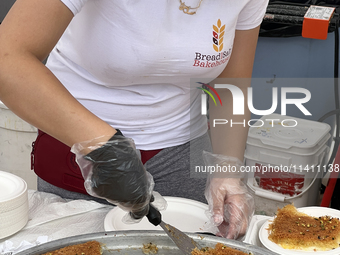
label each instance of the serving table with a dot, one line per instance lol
(51, 218)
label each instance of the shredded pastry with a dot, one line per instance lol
(94, 248)
(89, 248)
(292, 229)
(220, 249)
(149, 248)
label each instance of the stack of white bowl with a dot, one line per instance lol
(13, 204)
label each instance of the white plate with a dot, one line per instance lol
(312, 211)
(184, 214)
(252, 235)
(11, 186)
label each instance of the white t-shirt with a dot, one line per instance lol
(130, 61)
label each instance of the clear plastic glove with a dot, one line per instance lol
(231, 206)
(112, 170)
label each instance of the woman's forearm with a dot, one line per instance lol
(31, 91)
(230, 138)
(229, 134)
(27, 35)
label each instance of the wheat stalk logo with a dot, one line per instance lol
(218, 33)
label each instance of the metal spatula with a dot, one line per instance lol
(183, 242)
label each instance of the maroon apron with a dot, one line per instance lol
(54, 162)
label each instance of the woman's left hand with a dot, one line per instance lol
(230, 205)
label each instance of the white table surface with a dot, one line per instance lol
(52, 217)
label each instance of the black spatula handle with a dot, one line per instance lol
(154, 216)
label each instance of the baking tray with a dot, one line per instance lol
(131, 242)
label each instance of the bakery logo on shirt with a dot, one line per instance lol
(218, 33)
(222, 56)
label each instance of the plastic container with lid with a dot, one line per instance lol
(285, 156)
(288, 134)
(16, 137)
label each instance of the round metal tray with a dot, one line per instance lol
(131, 243)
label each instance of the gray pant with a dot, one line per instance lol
(170, 169)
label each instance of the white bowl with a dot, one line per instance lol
(13, 204)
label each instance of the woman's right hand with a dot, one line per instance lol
(114, 171)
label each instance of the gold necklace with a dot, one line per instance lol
(186, 9)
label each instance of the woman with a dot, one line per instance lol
(121, 70)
